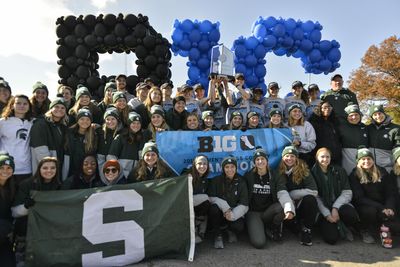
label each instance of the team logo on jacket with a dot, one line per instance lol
(22, 134)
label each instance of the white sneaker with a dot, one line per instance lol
(219, 242)
(367, 237)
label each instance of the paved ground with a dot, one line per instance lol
(289, 253)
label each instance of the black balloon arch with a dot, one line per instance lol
(82, 38)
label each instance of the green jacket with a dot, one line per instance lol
(339, 100)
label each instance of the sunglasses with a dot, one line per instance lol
(112, 170)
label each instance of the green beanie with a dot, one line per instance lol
(6, 159)
(207, 113)
(352, 108)
(133, 116)
(236, 113)
(40, 85)
(362, 152)
(229, 160)
(376, 108)
(290, 150)
(259, 152)
(112, 112)
(82, 91)
(118, 95)
(275, 111)
(5, 84)
(84, 112)
(157, 109)
(56, 101)
(149, 147)
(110, 85)
(293, 106)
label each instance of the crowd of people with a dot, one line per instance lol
(338, 173)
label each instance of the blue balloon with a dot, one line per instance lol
(203, 63)
(306, 45)
(334, 55)
(248, 72)
(183, 53)
(240, 51)
(307, 26)
(290, 24)
(204, 81)
(177, 36)
(280, 51)
(260, 71)
(260, 32)
(251, 61)
(270, 22)
(214, 35)
(279, 30)
(185, 44)
(325, 46)
(269, 41)
(325, 65)
(195, 36)
(315, 36)
(251, 80)
(287, 42)
(193, 73)
(298, 34)
(204, 45)
(298, 54)
(260, 51)
(187, 25)
(206, 26)
(194, 54)
(251, 42)
(240, 68)
(315, 56)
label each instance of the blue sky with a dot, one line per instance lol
(28, 49)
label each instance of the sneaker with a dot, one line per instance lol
(276, 233)
(306, 237)
(386, 237)
(367, 237)
(218, 242)
(232, 238)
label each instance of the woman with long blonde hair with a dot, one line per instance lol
(374, 198)
(297, 180)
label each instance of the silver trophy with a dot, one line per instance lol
(222, 62)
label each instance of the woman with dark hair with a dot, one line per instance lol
(352, 133)
(176, 117)
(5, 94)
(150, 166)
(15, 126)
(192, 122)
(253, 120)
(46, 178)
(334, 197)
(295, 177)
(276, 119)
(85, 176)
(374, 197)
(81, 140)
(111, 128)
(229, 197)
(7, 194)
(119, 102)
(111, 174)
(83, 99)
(107, 101)
(384, 135)
(303, 134)
(327, 135)
(207, 118)
(265, 211)
(40, 100)
(67, 94)
(199, 172)
(127, 145)
(48, 134)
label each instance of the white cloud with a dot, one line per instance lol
(101, 4)
(29, 27)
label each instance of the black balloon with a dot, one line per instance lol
(130, 20)
(141, 51)
(80, 30)
(72, 81)
(130, 41)
(100, 29)
(140, 31)
(70, 21)
(162, 70)
(142, 71)
(150, 61)
(120, 30)
(71, 41)
(64, 72)
(110, 20)
(63, 52)
(82, 52)
(71, 62)
(62, 31)
(82, 72)
(110, 40)
(89, 20)
(90, 40)
(149, 42)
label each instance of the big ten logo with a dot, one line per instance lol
(227, 143)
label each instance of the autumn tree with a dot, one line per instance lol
(378, 77)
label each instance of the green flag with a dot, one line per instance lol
(113, 225)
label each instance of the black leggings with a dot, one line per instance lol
(330, 231)
(373, 216)
(202, 209)
(307, 211)
(217, 220)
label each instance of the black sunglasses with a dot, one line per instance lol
(108, 170)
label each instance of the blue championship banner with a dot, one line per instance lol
(178, 148)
